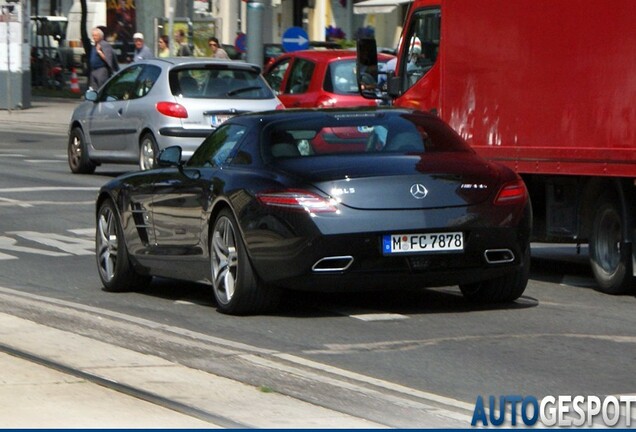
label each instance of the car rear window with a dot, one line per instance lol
(405, 133)
(218, 83)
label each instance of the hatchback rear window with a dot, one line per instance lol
(215, 83)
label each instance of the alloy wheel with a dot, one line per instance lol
(224, 258)
(147, 154)
(107, 244)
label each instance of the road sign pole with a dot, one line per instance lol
(255, 12)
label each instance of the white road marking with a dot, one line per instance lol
(72, 245)
(68, 245)
(83, 231)
(47, 188)
(578, 281)
(37, 161)
(364, 314)
(9, 244)
(11, 155)
(14, 203)
(379, 317)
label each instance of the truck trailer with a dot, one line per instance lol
(547, 87)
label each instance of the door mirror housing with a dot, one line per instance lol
(169, 157)
(367, 68)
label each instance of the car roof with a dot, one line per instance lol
(196, 61)
(327, 55)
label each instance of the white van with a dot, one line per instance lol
(95, 17)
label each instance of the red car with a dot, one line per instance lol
(318, 78)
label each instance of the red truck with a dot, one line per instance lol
(547, 87)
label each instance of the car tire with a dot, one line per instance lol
(113, 264)
(148, 152)
(610, 254)
(78, 159)
(503, 289)
(236, 286)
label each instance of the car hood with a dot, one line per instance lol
(400, 182)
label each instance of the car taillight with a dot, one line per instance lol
(512, 193)
(298, 200)
(280, 106)
(172, 109)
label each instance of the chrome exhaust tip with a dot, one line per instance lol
(333, 264)
(499, 256)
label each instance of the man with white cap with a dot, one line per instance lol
(141, 50)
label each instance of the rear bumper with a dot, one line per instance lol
(179, 132)
(358, 262)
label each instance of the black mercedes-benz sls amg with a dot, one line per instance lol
(343, 199)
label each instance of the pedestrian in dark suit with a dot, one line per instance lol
(101, 60)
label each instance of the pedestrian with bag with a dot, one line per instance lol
(101, 60)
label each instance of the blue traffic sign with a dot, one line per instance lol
(240, 43)
(294, 39)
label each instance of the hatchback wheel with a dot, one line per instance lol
(78, 159)
(236, 286)
(148, 152)
(113, 263)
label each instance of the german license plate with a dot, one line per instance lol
(218, 119)
(393, 244)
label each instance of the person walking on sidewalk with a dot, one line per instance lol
(217, 51)
(164, 48)
(183, 50)
(141, 50)
(102, 60)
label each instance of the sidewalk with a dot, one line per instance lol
(33, 395)
(44, 115)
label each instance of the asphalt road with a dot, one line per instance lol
(398, 358)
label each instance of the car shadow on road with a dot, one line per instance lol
(300, 304)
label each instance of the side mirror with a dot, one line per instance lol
(367, 67)
(90, 95)
(169, 157)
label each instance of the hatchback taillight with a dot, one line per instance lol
(172, 109)
(512, 193)
(295, 199)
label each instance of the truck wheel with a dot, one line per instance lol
(610, 255)
(503, 289)
(148, 152)
(236, 286)
(78, 159)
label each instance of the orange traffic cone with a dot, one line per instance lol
(74, 82)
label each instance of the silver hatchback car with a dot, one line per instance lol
(158, 103)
